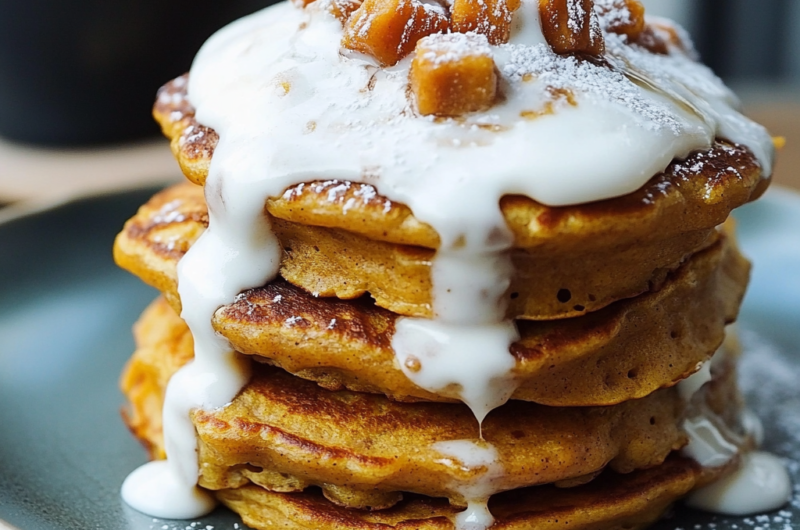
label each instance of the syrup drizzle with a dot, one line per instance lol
(480, 457)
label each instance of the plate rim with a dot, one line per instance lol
(29, 207)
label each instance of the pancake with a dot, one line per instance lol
(612, 502)
(286, 434)
(315, 258)
(362, 450)
(164, 344)
(344, 239)
(625, 351)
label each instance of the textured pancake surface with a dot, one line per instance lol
(154, 240)
(624, 351)
(344, 239)
(611, 502)
(163, 345)
(315, 259)
(371, 449)
(286, 434)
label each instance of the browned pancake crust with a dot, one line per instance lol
(155, 239)
(164, 344)
(287, 434)
(366, 445)
(625, 351)
(344, 239)
(622, 352)
(612, 502)
(708, 184)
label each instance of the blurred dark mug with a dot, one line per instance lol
(76, 72)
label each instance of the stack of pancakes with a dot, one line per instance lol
(616, 302)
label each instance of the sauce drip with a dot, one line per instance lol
(474, 456)
(761, 484)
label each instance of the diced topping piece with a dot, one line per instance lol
(453, 74)
(659, 36)
(571, 26)
(487, 17)
(342, 9)
(388, 30)
(625, 17)
(652, 41)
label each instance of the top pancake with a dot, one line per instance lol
(344, 239)
(703, 189)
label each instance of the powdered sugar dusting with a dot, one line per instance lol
(576, 15)
(364, 24)
(694, 86)
(453, 47)
(588, 78)
(770, 379)
(427, 16)
(612, 14)
(594, 26)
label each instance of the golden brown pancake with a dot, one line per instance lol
(363, 449)
(625, 351)
(611, 502)
(344, 239)
(155, 239)
(164, 344)
(286, 434)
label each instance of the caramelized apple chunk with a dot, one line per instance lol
(571, 26)
(652, 41)
(388, 30)
(453, 74)
(487, 17)
(342, 9)
(659, 36)
(625, 17)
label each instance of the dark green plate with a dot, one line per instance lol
(65, 318)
